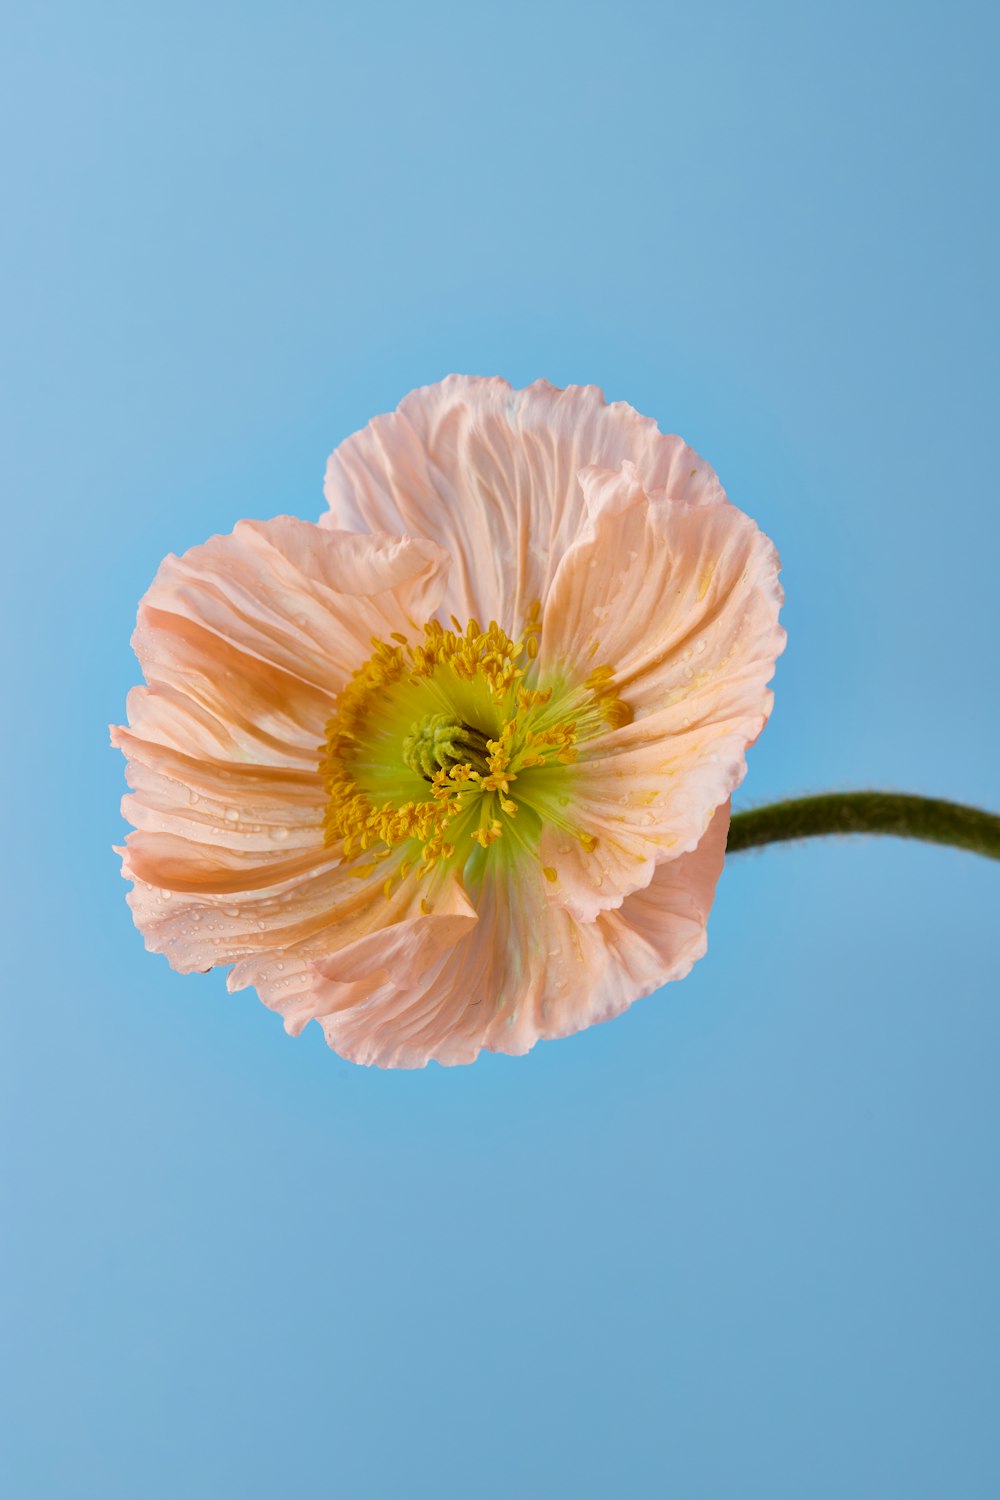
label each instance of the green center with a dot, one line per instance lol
(439, 742)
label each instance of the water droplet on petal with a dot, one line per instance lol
(279, 833)
(232, 814)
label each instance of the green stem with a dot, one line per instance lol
(868, 812)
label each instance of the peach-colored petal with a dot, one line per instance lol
(284, 608)
(682, 602)
(522, 972)
(491, 474)
(358, 946)
(244, 806)
(245, 642)
(335, 919)
(663, 927)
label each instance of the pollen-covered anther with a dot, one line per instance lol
(488, 835)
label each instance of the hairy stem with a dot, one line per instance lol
(868, 812)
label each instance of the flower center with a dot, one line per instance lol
(450, 744)
(439, 742)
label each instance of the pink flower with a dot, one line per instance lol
(451, 769)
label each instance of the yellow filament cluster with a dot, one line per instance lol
(524, 728)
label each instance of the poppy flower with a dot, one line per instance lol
(451, 768)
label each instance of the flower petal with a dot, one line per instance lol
(333, 920)
(522, 972)
(682, 602)
(351, 956)
(284, 607)
(245, 642)
(491, 474)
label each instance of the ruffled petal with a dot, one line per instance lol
(264, 625)
(662, 929)
(490, 473)
(523, 971)
(199, 930)
(351, 955)
(682, 603)
(237, 804)
(338, 921)
(245, 642)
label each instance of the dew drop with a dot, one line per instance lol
(232, 814)
(279, 833)
(193, 798)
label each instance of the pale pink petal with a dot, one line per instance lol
(338, 919)
(350, 955)
(662, 929)
(285, 608)
(491, 474)
(245, 642)
(682, 603)
(198, 930)
(521, 973)
(238, 804)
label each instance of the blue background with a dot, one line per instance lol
(743, 1241)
